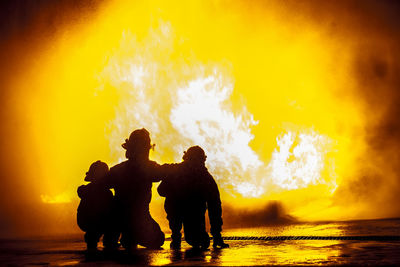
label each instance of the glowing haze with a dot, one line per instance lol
(268, 93)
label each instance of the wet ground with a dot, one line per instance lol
(338, 243)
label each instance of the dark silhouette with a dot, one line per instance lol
(94, 209)
(132, 181)
(189, 189)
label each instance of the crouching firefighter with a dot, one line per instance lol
(94, 210)
(189, 189)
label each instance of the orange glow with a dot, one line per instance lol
(262, 95)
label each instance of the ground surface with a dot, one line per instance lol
(368, 243)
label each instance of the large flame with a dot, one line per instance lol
(265, 101)
(197, 110)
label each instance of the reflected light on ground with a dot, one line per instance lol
(281, 253)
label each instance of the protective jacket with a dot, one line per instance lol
(188, 192)
(94, 208)
(132, 182)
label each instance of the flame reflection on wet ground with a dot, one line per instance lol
(70, 250)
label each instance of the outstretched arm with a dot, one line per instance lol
(161, 172)
(168, 172)
(214, 207)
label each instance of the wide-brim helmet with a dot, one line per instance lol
(138, 138)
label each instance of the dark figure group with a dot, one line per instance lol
(125, 218)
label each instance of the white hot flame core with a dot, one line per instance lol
(188, 104)
(200, 116)
(296, 166)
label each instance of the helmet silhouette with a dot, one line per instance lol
(138, 138)
(97, 170)
(194, 153)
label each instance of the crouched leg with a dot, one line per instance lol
(195, 233)
(175, 224)
(149, 233)
(92, 238)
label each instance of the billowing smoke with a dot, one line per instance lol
(269, 214)
(373, 28)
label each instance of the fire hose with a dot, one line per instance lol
(283, 238)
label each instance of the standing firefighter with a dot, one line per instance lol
(189, 190)
(132, 181)
(94, 209)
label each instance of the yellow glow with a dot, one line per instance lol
(276, 117)
(62, 198)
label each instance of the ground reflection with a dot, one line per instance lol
(68, 251)
(254, 252)
(250, 252)
(304, 229)
(186, 255)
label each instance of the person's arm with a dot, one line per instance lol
(214, 206)
(161, 172)
(168, 173)
(106, 181)
(156, 171)
(110, 180)
(215, 213)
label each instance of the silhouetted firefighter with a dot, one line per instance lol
(189, 190)
(132, 181)
(94, 209)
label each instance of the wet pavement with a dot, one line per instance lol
(344, 243)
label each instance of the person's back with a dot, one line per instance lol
(95, 203)
(94, 209)
(132, 181)
(189, 190)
